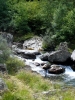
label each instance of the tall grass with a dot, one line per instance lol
(34, 81)
(30, 86)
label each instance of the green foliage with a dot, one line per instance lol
(10, 96)
(26, 16)
(33, 81)
(3, 15)
(49, 41)
(36, 16)
(22, 38)
(62, 26)
(4, 50)
(14, 64)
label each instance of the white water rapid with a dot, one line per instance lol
(68, 76)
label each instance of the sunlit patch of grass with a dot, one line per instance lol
(17, 90)
(11, 85)
(69, 94)
(34, 81)
(10, 96)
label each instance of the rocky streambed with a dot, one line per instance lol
(56, 65)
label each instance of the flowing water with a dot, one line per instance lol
(68, 77)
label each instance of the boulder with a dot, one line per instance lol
(25, 54)
(60, 57)
(44, 57)
(34, 43)
(43, 63)
(46, 66)
(28, 55)
(73, 67)
(56, 69)
(37, 64)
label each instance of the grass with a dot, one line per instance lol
(34, 81)
(30, 86)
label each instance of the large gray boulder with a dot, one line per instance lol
(34, 43)
(46, 66)
(59, 56)
(27, 53)
(44, 57)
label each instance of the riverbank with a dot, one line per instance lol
(30, 86)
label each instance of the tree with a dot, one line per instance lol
(3, 15)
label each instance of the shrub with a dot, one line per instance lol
(49, 41)
(62, 26)
(27, 16)
(14, 64)
(4, 50)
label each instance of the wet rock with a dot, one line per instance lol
(56, 69)
(46, 66)
(28, 55)
(37, 53)
(73, 67)
(44, 57)
(37, 64)
(60, 57)
(34, 43)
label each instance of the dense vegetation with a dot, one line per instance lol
(54, 18)
(4, 50)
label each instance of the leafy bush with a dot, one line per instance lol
(14, 64)
(62, 26)
(49, 41)
(26, 16)
(4, 50)
(4, 15)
